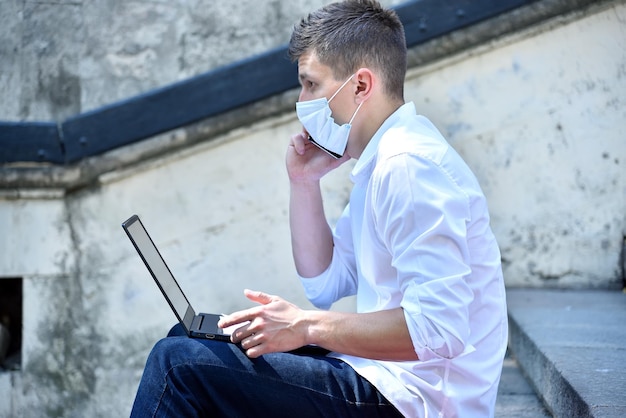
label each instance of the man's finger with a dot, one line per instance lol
(239, 317)
(257, 296)
(299, 142)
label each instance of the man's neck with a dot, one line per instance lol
(373, 120)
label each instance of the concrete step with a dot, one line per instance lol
(516, 397)
(572, 347)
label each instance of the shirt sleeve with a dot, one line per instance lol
(421, 216)
(340, 279)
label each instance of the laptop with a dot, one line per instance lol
(201, 325)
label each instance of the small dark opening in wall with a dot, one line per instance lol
(10, 324)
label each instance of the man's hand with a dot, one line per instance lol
(307, 163)
(274, 326)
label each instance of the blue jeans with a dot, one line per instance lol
(188, 377)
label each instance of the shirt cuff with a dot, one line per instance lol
(315, 289)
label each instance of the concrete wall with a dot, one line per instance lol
(218, 213)
(539, 116)
(61, 58)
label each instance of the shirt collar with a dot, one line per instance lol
(365, 164)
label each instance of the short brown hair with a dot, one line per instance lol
(352, 34)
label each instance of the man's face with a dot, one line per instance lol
(317, 81)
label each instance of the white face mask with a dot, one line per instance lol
(315, 116)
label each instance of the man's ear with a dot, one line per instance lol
(365, 82)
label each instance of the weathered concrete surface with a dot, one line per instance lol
(218, 213)
(46, 249)
(61, 58)
(516, 397)
(537, 115)
(540, 119)
(572, 345)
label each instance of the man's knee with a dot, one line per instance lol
(169, 352)
(177, 331)
(184, 351)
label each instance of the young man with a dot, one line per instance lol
(414, 244)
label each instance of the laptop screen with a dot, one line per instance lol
(159, 270)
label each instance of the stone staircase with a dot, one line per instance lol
(516, 397)
(567, 355)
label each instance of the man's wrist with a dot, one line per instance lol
(312, 327)
(305, 186)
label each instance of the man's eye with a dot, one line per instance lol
(308, 85)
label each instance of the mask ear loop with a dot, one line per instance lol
(355, 112)
(337, 92)
(339, 89)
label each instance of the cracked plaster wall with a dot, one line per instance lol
(538, 116)
(541, 121)
(63, 57)
(217, 212)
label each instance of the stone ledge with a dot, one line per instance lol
(572, 347)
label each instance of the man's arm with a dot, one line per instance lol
(379, 335)
(277, 325)
(311, 237)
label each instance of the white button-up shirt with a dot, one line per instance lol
(416, 235)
